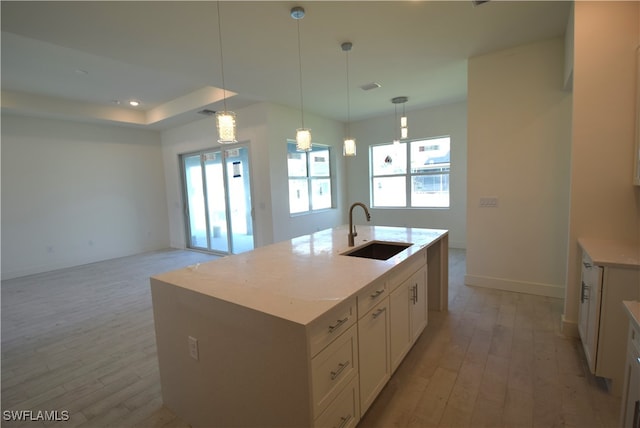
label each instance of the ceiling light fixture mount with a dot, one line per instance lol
(303, 135)
(404, 130)
(349, 146)
(225, 120)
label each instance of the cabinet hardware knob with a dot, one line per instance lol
(340, 369)
(377, 313)
(344, 420)
(332, 328)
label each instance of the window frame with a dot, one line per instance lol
(310, 178)
(409, 175)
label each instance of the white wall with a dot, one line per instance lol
(429, 122)
(282, 123)
(604, 203)
(519, 123)
(78, 193)
(266, 127)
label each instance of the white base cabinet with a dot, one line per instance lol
(408, 304)
(375, 367)
(602, 323)
(630, 409)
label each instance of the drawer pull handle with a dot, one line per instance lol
(587, 265)
(341, 368)
(377, 313)
(377, 293)
(584, 293)
(332, 328)
(344, 420)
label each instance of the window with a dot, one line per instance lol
(412, 174)
(309, 179)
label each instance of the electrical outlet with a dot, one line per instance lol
(193, 348)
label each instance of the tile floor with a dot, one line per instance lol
(82, 340)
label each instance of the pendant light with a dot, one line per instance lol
(225, 120)
(349, 146)
(396, 138)
(404, 131)
(303, 135)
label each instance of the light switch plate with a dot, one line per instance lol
(488, 202)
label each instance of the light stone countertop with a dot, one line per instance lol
(611, 253)
(302, 278)
(633, 310)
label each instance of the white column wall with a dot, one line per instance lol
(519, 123)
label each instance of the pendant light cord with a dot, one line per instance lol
(300, 69)
(396, 121)
(348, 101)
(224, 91)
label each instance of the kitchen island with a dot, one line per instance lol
(295, 333)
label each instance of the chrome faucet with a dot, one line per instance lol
(352, 227)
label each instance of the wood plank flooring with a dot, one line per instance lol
(82, 340)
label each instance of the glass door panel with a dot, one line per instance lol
(216, 202)
(239, 197)
(197, 221)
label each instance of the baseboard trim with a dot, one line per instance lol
(569, 328)
(535, 288)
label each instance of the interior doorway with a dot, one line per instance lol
(217, 194)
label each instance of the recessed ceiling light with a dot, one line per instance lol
(134, 103)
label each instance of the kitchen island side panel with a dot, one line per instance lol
(438, 274)
(252, 368)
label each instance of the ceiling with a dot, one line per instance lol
(74, 60)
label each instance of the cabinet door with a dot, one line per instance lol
(631, 399)
(399, 323)
(418, 304)
(373, 337)
(594, 295)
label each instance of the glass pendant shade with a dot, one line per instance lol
(303, 139)
(404, 131)
(349, 147)
(226, 124)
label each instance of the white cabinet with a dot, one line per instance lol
(630, 408)
(408, 306)
(373, 334)
(590, 296)
(602, 323)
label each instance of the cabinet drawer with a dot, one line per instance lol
(400, 274)
(343, 412)
(329, 326)
(371, 296)
(333, 368)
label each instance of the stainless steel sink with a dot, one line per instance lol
(378, 250)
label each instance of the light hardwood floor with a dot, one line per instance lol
(82, 340)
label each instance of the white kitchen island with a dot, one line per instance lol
(294, 333)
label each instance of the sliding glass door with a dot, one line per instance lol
(218, 208)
